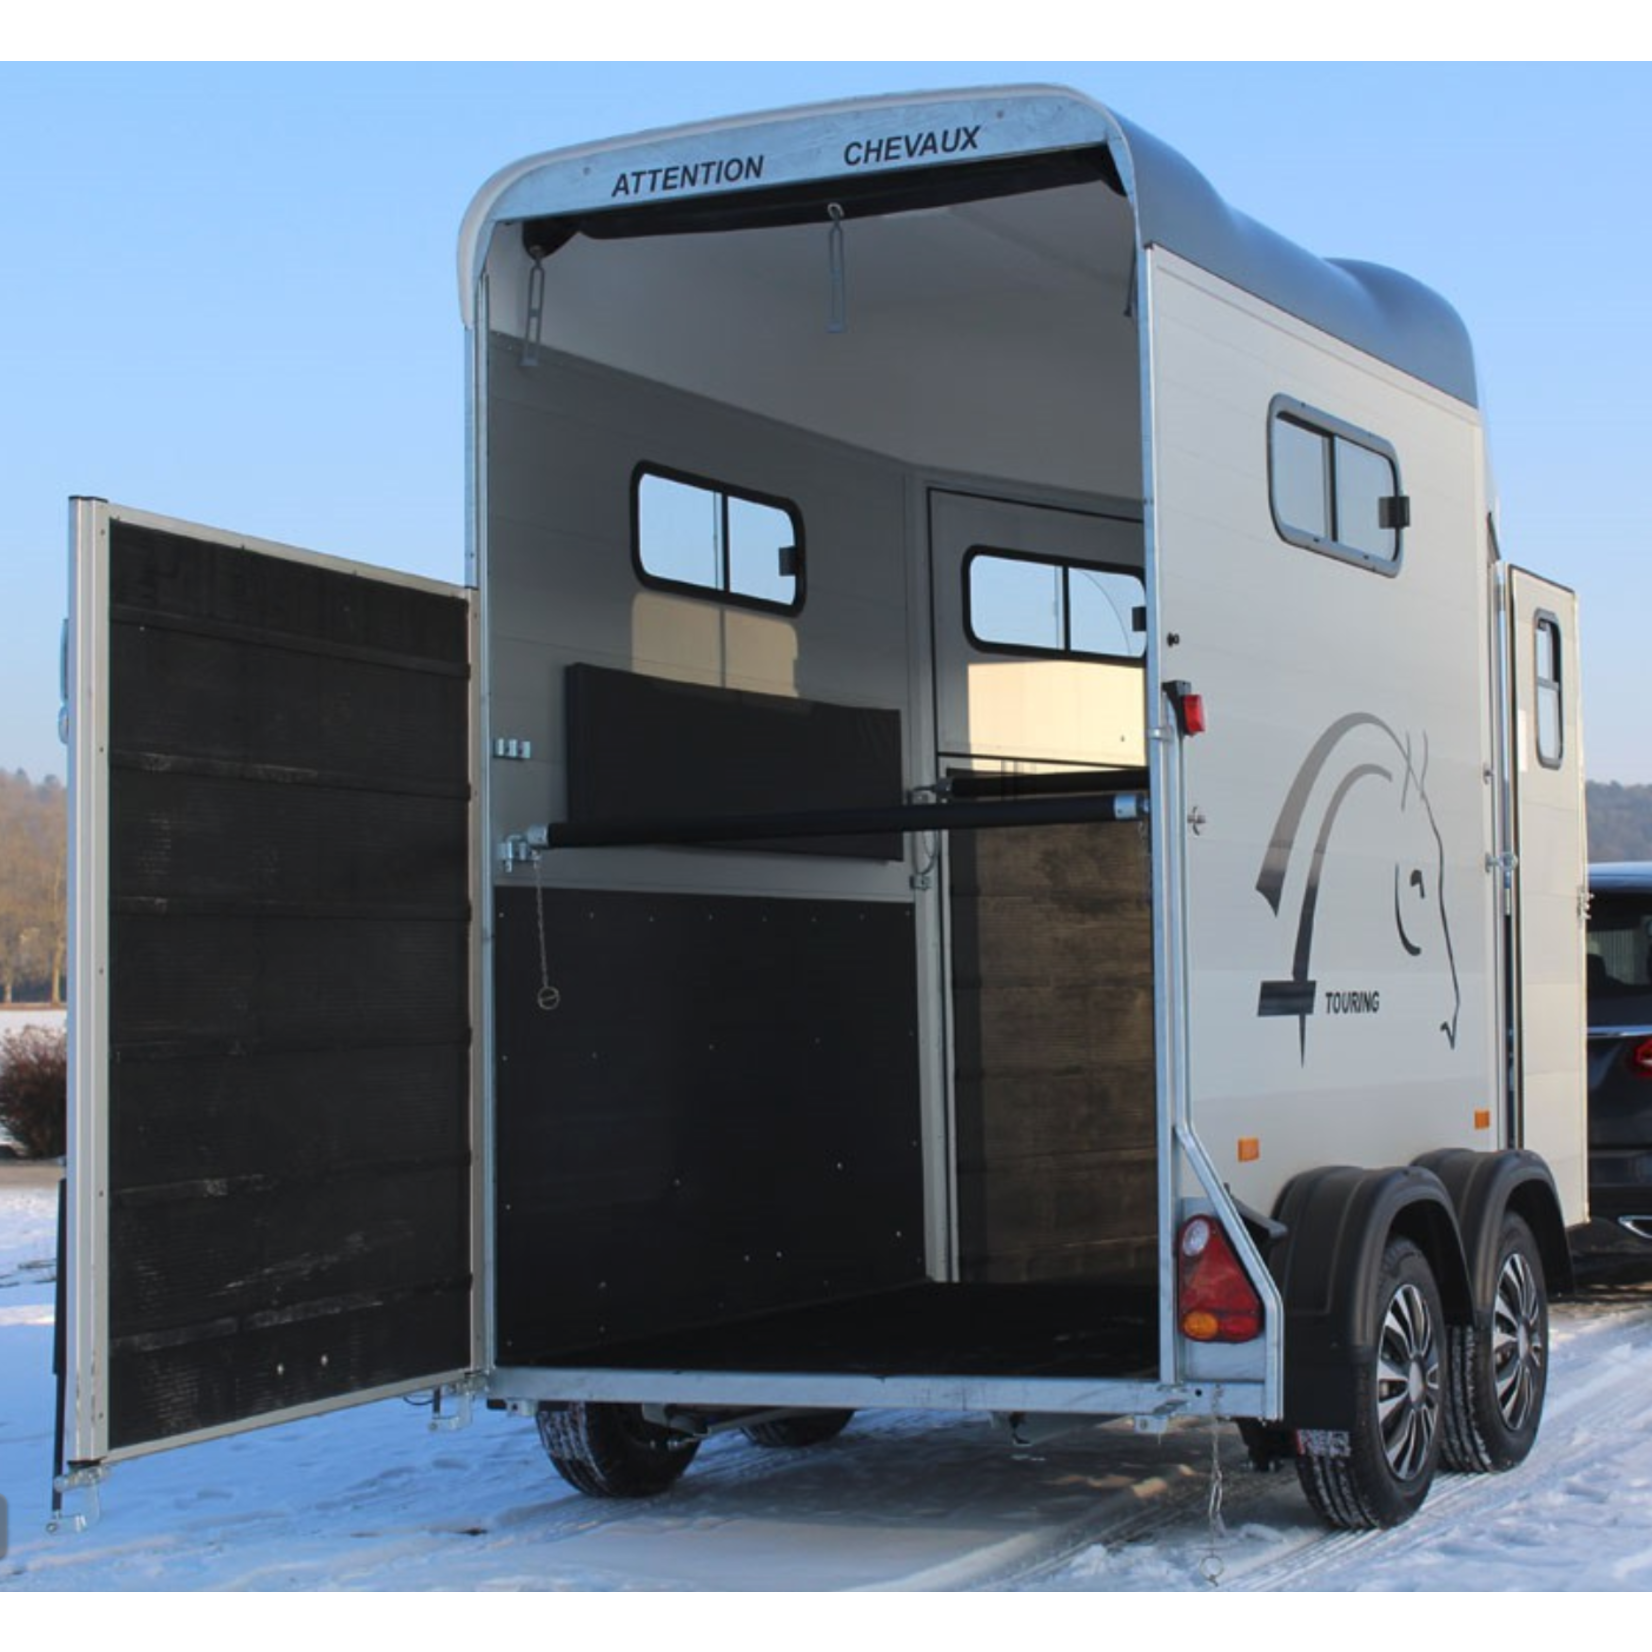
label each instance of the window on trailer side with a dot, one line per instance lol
(1015, 603)
(1551, 740)
(1334, 488)
(709, 538)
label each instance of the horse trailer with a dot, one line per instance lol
(988, 830)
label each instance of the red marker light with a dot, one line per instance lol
(1215, 1301)
(1188, 706)
(1640, 1058)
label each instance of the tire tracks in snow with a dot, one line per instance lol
(1588, 1395)
(1596, 1395)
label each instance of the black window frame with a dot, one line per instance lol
(1545, 620)
(720, 594)
(1289, 410)
(1063, 564)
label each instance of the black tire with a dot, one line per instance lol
(1399, 1399)
(803, 1428)
(1499, 1373)
(607, 1450)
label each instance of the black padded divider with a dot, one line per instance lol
(641, 748)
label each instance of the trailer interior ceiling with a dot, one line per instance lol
(834, 1102)
(1028, 294)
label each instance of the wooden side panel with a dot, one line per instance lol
(1053, 1048)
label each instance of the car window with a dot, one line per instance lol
(1619, 959)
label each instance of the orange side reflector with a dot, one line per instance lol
(1482, 1118)
(1250, 1147)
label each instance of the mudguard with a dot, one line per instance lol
(1482, 1187)
(1339, 1220)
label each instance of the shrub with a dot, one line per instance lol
(34, 1090)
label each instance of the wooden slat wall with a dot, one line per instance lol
(1053, 1048)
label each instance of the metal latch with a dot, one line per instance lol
(464, 1395)
(523, 848)
(83, 1482)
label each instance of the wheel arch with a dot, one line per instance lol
(1338, 1221)
(1482, 1188)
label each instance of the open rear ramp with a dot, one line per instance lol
(271, 1141)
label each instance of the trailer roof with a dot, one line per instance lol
(1378, 310)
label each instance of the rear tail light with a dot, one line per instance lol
(1215, 1300)
(1640, 1058)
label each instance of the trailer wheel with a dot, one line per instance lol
(1393, 1443)
(1499, 1372)
(607, 1450)
(805, 1428)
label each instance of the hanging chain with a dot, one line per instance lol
(925, 857)
(1212, 1566)
(548, 998)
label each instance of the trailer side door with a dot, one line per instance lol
(1549, 881)
(270, 1162)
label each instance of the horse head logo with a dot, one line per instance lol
(1360, 756)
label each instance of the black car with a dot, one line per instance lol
(1619, 962)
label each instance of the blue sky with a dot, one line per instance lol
(228, 293)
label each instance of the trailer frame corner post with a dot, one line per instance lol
(1500, 861)
(86, 1263)
(1165, 781)
(484, 1056)
(928, 865)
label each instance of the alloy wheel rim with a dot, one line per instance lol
(1408, 1383)
(1518, 1351)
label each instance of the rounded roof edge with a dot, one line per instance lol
(1378, 310)
(1388, 314)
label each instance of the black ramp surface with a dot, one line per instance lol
(1042, 1330)
(718, 1119)
(288, 1088)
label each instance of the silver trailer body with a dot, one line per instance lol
(996, 729)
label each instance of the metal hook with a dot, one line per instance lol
(533, 323)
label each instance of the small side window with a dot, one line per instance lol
(1551, 739)
(1020, 604)
(708, 538)
(1334, 488)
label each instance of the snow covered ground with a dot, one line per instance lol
(371, 1499)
